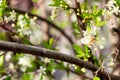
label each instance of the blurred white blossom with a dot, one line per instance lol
(54, 13)
(25, 24)
(37, 36)
(112, 7)
(42, 70)
(89, 39)
(0, 2)
(89, 36)
(46, 60)
(53, 71)
(25, 62)
(8, 56)
(12, 17)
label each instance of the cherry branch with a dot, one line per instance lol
(37, 51)
(47, 21)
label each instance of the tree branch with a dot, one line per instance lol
(9, 46)
(47, 21)
(78, 13)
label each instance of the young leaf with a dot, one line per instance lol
(55, 3)
(78, 50)
(96, 78)
(98, 13)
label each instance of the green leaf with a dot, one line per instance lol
(118, 2)
(95, 9)
(1, 60)
(78, 50)
(55, 3)
(49, 44)
(26, 41)
(96, 78)
(76, 28)
(3, 36)
(26, 76)
(51, 41)
(99, 22)
(98, 13)
(1, 12)
(8, 78)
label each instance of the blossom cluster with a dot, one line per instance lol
(25, 62)
(12, 16)
(89, 36)
(113, 7)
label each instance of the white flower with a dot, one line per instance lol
(7, 19)
(54, 13)
(13, 15)
(112, 7)
(0, 2)
(20, 17)
(111, 64)
(53, 71)
(46, 60)
(36, 37)
(24, 61)
(88, 40)
(89, 36)
(115, 10)
(83, 70)
(8, 56)
(111, 3)
(42, 70)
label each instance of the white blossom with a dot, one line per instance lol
(0, 2)
(42, 70)
(112, 7)
(24, 61)
(12, 17)
(89, 36)
(53, 71)
(46, 60)
(87, 39)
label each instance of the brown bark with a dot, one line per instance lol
(37, 51)
(114, 35)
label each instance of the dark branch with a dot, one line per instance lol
(77, 10)
(9, 46)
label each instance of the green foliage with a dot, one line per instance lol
(96, 78)
(82, 53)
(24, 26)
(48, 44)
(99, 22)
(3, 5)
(27, 76)
(118, 2)
(85, 54)
(55, 3)
(35, 1)
(3, 36)
(26, 41)
(79, 51)
(60, 3)
(78, 69)
(76, 28)
(1, 60)
(8, 78)
(95, 14)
